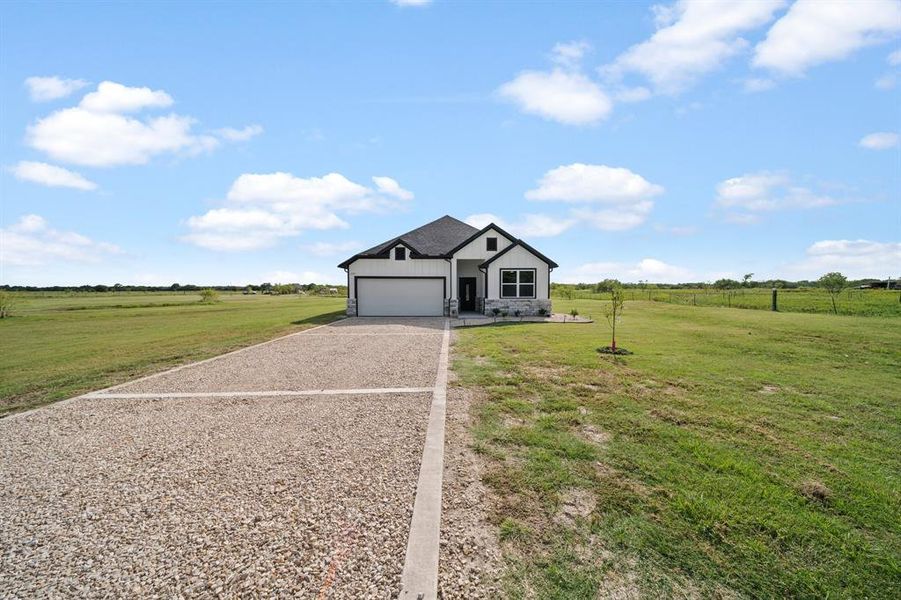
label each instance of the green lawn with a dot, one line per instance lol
(736, 452)
(60, 345)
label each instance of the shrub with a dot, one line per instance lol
(504, 313)
(209, 296)
(574, 312)
(7, 304)
(542, 312)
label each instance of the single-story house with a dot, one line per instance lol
(447, 267)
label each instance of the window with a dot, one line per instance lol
(491, 244)
(400, 253)
(517, 283)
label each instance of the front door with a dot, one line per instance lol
(467, 293)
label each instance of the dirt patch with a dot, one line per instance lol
(574, 504)
(595, 435)
(470, 558)
(815, 491)
(769, 390)
(553, 373)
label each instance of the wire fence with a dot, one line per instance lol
(811, 300)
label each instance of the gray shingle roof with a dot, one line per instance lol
(432, 239)
(440, 238)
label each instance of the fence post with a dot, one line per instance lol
(775, 307)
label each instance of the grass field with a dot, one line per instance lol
(736, 453)
(60, 345)
(869, 303)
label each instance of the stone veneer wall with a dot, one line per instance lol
(527, 308)
(351, 307)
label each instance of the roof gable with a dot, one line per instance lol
(479, 232)
(525, 246)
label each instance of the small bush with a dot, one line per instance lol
(542, 312)
(7, 304)
(574, 312)
(209, 296)
(504, 313)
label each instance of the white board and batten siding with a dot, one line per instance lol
(476, 249)
(519, 258)
(389, 287)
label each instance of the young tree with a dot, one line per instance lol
(209, 296)
(833, 283)
(746, 280)
(614, 312)
(7, 304)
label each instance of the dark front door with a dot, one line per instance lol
(467, 293)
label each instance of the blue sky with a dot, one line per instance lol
(237, 143)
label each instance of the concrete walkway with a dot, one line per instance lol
(309, 465)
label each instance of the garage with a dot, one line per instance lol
(400, 296)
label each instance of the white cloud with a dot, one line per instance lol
(51, 176)
(693, 38)
(333, 248)
(814, 32)
(757, 84)
(626, 196)
(569, 54)
(32, 242)
(743, 199)
(98, 132)
(881, 140)
(894, 58)
(44, 89)
(411, 2)
(763, 192)
(568, 97)
(240, 135)
(856, 259)
(624, 216)
(83, 137)
(677, 230)
(886, 82)
(632, 94)
(580, 183)
(386, 185)
(528, 226)
(261, 208)
(647, 269)
(112, 97)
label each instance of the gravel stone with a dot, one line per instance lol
(266, 497)
(470, 558)
(348, 354)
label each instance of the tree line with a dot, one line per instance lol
(265, 288)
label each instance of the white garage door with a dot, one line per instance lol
(400, 297)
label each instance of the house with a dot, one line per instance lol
(446, 267)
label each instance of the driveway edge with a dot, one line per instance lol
(419, 580)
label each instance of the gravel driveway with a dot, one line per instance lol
(307, 496)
